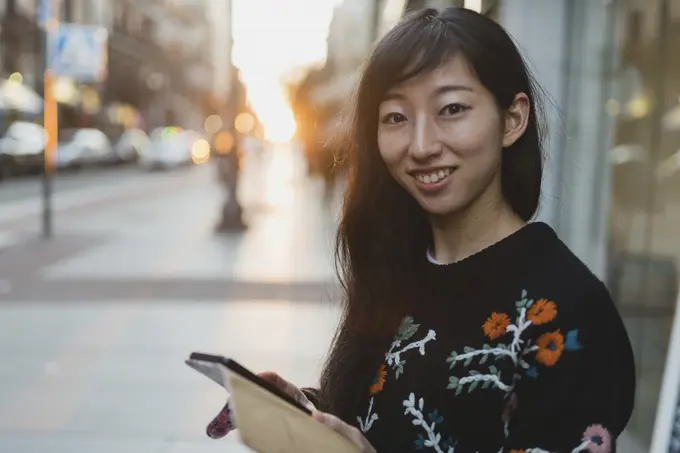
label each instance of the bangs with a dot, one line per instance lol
(420, 44)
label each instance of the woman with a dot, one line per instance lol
(465, 327)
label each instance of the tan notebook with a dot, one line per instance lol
(268, 424)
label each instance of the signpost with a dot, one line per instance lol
(75, 51)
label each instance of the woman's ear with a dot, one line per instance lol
(516, 119)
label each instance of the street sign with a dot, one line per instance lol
(48, 10)
(78, 51)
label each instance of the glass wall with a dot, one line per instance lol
(643, 216)
(612, 192)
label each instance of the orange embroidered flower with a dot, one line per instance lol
(550, 347)
(543, 311)
(496, 325)
(379, 381)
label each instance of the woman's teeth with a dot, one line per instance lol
(434, 177)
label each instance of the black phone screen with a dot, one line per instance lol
(207, 363)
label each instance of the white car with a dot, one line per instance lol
(170, 147)
(22, 149)
(86, 147)
(132, 144)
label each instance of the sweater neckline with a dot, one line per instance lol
(497, 251)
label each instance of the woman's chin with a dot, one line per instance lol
(438, 208)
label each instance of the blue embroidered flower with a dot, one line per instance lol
(435, 418)
(420, 442)
(532, 372)
(571, 343)
(448, 443)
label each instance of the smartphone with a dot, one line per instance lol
(217, 368)
(268, 420)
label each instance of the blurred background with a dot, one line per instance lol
(188, 201)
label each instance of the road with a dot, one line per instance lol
(96, 322)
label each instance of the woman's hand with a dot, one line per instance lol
(287, 388)
(223, 423)
(342, 428)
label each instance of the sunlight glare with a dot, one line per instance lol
(290, 35)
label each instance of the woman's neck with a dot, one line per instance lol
(463, 234)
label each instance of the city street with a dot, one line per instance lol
(95, 323)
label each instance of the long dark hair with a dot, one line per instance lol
(384, 233)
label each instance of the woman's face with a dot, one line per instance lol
(441, 135)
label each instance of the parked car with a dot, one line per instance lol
(22, 149)
(132, 144)
(170, 147)
(84, 147)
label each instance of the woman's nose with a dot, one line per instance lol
(425, 142)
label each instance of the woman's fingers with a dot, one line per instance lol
(222, 424)
(286, 387)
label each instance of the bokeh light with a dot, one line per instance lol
(213, 124)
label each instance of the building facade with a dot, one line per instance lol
(161, 56)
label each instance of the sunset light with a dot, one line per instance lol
(272, 40)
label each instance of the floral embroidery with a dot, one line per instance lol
(550, 347)
(596, 439)
(366, 424)
(431, 439)
(542, 312)
(379, 381)
(406, 331)
(495, 326)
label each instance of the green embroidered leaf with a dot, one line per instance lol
(530, 302)
(400, 368)
(407, 329)
(453, 382)
(473, 386)
(474, 372)
(520, 303)
(468, 349)
(459, 390)
(486, 347)
(524, 294)
(483, 360)
(451, 360)
(486, 384)
(468, 361)
(493, 370)
(502, 346)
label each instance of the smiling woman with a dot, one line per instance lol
(467, 327)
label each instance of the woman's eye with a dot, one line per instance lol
(393, 118)
(453, 109)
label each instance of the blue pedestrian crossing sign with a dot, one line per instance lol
(78, 51)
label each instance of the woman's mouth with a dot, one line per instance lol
(433, 179)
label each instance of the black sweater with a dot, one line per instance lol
(516, 348)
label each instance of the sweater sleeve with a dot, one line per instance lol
(577, 389)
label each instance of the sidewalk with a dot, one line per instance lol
(97, 322)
